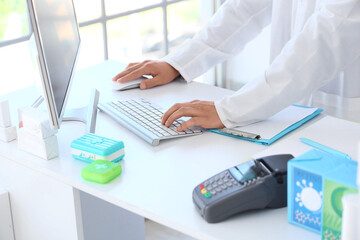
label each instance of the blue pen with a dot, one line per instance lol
(325, 148)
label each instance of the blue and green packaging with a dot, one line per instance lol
(337, 183)
(91, 147)
(101, 171)
(316, 183)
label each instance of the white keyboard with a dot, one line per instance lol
(144, 119)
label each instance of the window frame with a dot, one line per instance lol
(103, 19)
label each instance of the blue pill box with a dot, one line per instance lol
(91, 147)
(308, 187)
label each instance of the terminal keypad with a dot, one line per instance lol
(217, 184)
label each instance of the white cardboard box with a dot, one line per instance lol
(46, 148)
(7, 134)
(37, 123)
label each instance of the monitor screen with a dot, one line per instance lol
(57, 38)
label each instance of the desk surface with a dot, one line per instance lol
(157, 182)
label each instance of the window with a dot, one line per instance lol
(110, 29)
(13, 19)
(134, 30)
(14, 53)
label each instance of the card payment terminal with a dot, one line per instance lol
(255, 184)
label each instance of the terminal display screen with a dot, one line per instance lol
(251, 170)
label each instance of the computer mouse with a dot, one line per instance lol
(127, 85)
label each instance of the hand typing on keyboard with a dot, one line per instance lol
(143, 118)
(202, 113)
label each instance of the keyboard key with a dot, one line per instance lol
(196, 130)
(148, 116)
(188, 131)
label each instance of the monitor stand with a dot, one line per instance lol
(87, 114)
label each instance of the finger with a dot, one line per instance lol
(131, 67)
(171, 110)
(152, 82)
(127, 71)
(132, 64)
(134, 74)
(190, 123)
(181, 112)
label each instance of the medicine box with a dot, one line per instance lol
(101, 171)
(8, 134)
(337, 183)
(91, 147)
(308, 186)
(36, 122)
(46, 148)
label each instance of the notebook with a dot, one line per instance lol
(268, 131)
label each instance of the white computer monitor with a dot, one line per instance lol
(57, 38)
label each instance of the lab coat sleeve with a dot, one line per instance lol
(328, 42)
(234, 24)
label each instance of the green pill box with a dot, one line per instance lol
(101, 171)
(91, 147)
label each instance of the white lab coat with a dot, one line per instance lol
(315, 56)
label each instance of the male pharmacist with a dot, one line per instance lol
(315, 60)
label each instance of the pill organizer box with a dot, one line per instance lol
(101, 171)
(91, 147)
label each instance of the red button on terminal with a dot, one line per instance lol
(201, 186)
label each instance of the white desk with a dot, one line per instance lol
(156, 182)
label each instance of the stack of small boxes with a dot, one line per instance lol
(35, 134)
(7, 131)
(103, 154)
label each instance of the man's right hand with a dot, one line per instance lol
(161, 71)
